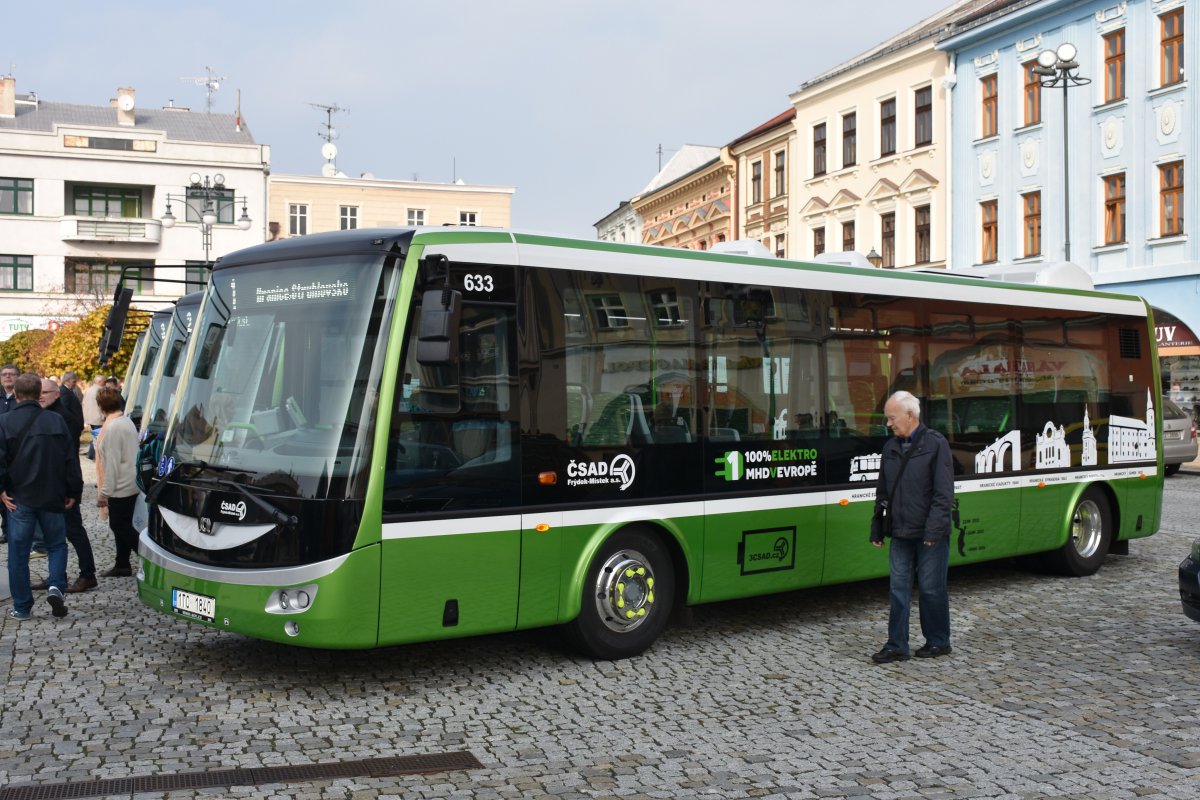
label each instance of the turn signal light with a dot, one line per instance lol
(541, 527)
(548, 478)
(843, 502)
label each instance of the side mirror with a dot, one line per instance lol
(437, 336)
(114, 325)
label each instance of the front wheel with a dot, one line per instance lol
(1171, 469)
(627, 597)
(1090, 535)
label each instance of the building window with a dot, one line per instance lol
(196, 275)
(1114, 208)
(468, 219)
(297, 219)
(988, 215)
(847, 237)
(416, 216)
(1033, 93)
(756, 182)
(887, 223)
(1171, 198)
(924, 116)
(887, 127)
(222, 202)
(780, 246)
(1172, 47)
(849, 140)
(99, 278)
(924, 240)
(780, 173)
(1033, 223)
(819, 149)
(987, 92)
(1114, 66)
(609, 311)
(818, 241)
(16, 273)
(16, 196)
(349, 218)
(103, 201)
(665, 305)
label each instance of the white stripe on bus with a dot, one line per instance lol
(648, 513)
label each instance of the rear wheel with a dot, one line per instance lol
(1171, 469)
(627, 597)
(1088, 539)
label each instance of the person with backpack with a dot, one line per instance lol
(39, 480)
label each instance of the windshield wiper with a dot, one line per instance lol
(200, 466)
(268, 508)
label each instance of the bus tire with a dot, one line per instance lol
(1088, 538)
(627, 597)
(1171, 469)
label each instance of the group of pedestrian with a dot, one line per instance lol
(41, 483)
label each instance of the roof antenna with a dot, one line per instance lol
(211, 84)
(329, 150)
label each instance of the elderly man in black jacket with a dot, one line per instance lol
(62, 401)
(39, 480)
(916, 484)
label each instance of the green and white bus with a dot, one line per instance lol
(399, 435)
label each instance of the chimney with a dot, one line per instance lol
(125, 107)
(8, 97)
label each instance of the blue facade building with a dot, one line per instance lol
(1131, 147)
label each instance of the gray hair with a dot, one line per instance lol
(907, 402)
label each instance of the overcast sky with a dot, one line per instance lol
(567, 100)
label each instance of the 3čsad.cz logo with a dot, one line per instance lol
(620, 470)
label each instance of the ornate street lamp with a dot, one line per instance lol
(206, 198)
(1059, 68)
(875, 259)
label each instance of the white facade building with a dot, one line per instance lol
(83, 190)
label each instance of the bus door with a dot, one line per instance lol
(765, 524)
(452, 528)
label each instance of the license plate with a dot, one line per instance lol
(196, 606)
(1173, 435)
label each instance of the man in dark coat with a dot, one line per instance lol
(916, 484)
(39, 480)
(62, 402)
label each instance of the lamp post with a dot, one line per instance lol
(875, 259)
(207, 197)
(1059, 68)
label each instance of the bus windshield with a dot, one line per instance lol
(278, 373)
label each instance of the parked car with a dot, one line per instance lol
(1189, 582)
(1179, 437)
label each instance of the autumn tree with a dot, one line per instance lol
(76, 344)
(27, 349)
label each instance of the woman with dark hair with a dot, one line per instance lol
(116, 470)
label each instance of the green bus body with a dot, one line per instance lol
(703, 424)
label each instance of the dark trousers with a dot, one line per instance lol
(78, 537)
(120, 520)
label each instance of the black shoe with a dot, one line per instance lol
(929, 651)
(40, 586)
(58, 605)
(887, 655)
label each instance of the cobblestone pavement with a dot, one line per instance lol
(1057, 688)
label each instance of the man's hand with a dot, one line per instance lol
(69, 504)
(876, 544)
(101, 501)
(8, 501)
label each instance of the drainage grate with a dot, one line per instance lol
(252, 776)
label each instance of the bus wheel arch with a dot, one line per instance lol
(628, 592)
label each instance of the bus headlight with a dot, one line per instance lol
(292, 600)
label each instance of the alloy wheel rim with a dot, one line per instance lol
(1087, 529)
(625, 591)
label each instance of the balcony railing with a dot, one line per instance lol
(111, 229)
